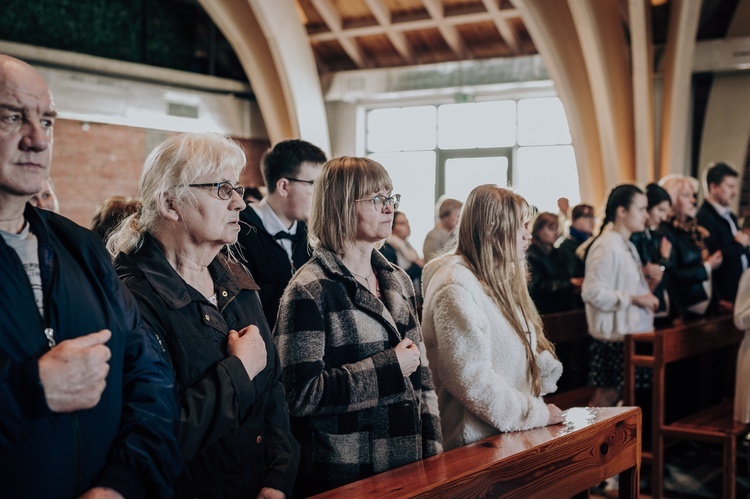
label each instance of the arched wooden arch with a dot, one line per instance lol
(274, 51)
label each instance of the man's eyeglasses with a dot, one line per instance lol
(292, 179)
(223, 189)
(380, 202)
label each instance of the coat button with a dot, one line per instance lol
(259, 439)
(224, 294)
(207, 317)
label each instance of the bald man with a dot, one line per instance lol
(87, 402)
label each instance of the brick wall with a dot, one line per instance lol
(92, 162)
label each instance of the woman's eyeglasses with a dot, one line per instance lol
(223, 189)
(380, 202)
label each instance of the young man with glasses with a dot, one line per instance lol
(274, 245)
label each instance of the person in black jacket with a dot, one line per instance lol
(691, 265)
(655, 251)
(581, 229)
(273, 240)
(234, 423)
(551, 287)
(715, 215)
(87, 407)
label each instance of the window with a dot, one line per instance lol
(451, 148)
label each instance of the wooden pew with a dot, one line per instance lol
(569, 332)
(710, 424)
(556, 461)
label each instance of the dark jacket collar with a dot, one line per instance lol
(165, 280)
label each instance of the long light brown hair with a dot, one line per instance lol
(487, 235)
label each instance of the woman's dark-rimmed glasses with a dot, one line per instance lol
(380, 202)
(223, 189)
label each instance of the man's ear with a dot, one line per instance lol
(282, 187)
(167, 207)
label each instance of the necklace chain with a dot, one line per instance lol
(362, 276)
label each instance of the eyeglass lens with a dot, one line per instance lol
(225, 190)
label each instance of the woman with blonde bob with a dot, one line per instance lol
(490, 358)
(358, 386)
(691, 266)
(205, 311)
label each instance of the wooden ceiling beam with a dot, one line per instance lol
(448, 31)
(413, 25)
(502, 25)
(333, 20)
(381, 13)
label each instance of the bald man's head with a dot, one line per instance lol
(27, 116)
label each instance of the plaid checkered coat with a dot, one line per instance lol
(353, 412)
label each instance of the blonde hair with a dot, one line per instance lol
(487, 235)
(342, 181)
(171, 166)
(674, 183)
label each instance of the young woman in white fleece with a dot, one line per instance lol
(490, 360)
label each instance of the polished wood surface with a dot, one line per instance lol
(556, 461)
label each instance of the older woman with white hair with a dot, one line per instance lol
(205, 311)
(690, 266)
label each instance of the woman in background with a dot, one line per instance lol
(617, 297)
(655, 250)
(551, 287)
(690, 268)
(358, 385)
(398, 250)
(490, 358)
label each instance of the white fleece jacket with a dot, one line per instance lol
(478, 363)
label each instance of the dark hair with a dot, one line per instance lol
(580, 210)
(715, 173)
(619, 195)
(285, 159)
(543, 220)
(656, 195)
(111, 212)
(252, 192)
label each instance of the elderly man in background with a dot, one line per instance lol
(88, 408)
(438, 238)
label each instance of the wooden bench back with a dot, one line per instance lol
(555, 461)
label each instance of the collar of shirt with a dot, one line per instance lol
(723, 211)
(270, 220)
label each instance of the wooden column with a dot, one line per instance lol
(273, 49)
(678, 62)
(602, 38)
(641, 51)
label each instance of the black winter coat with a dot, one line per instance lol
(550, 285)
(234, 432)
(686, 271)
(268, 262)
(127, 441)
(648, 244)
